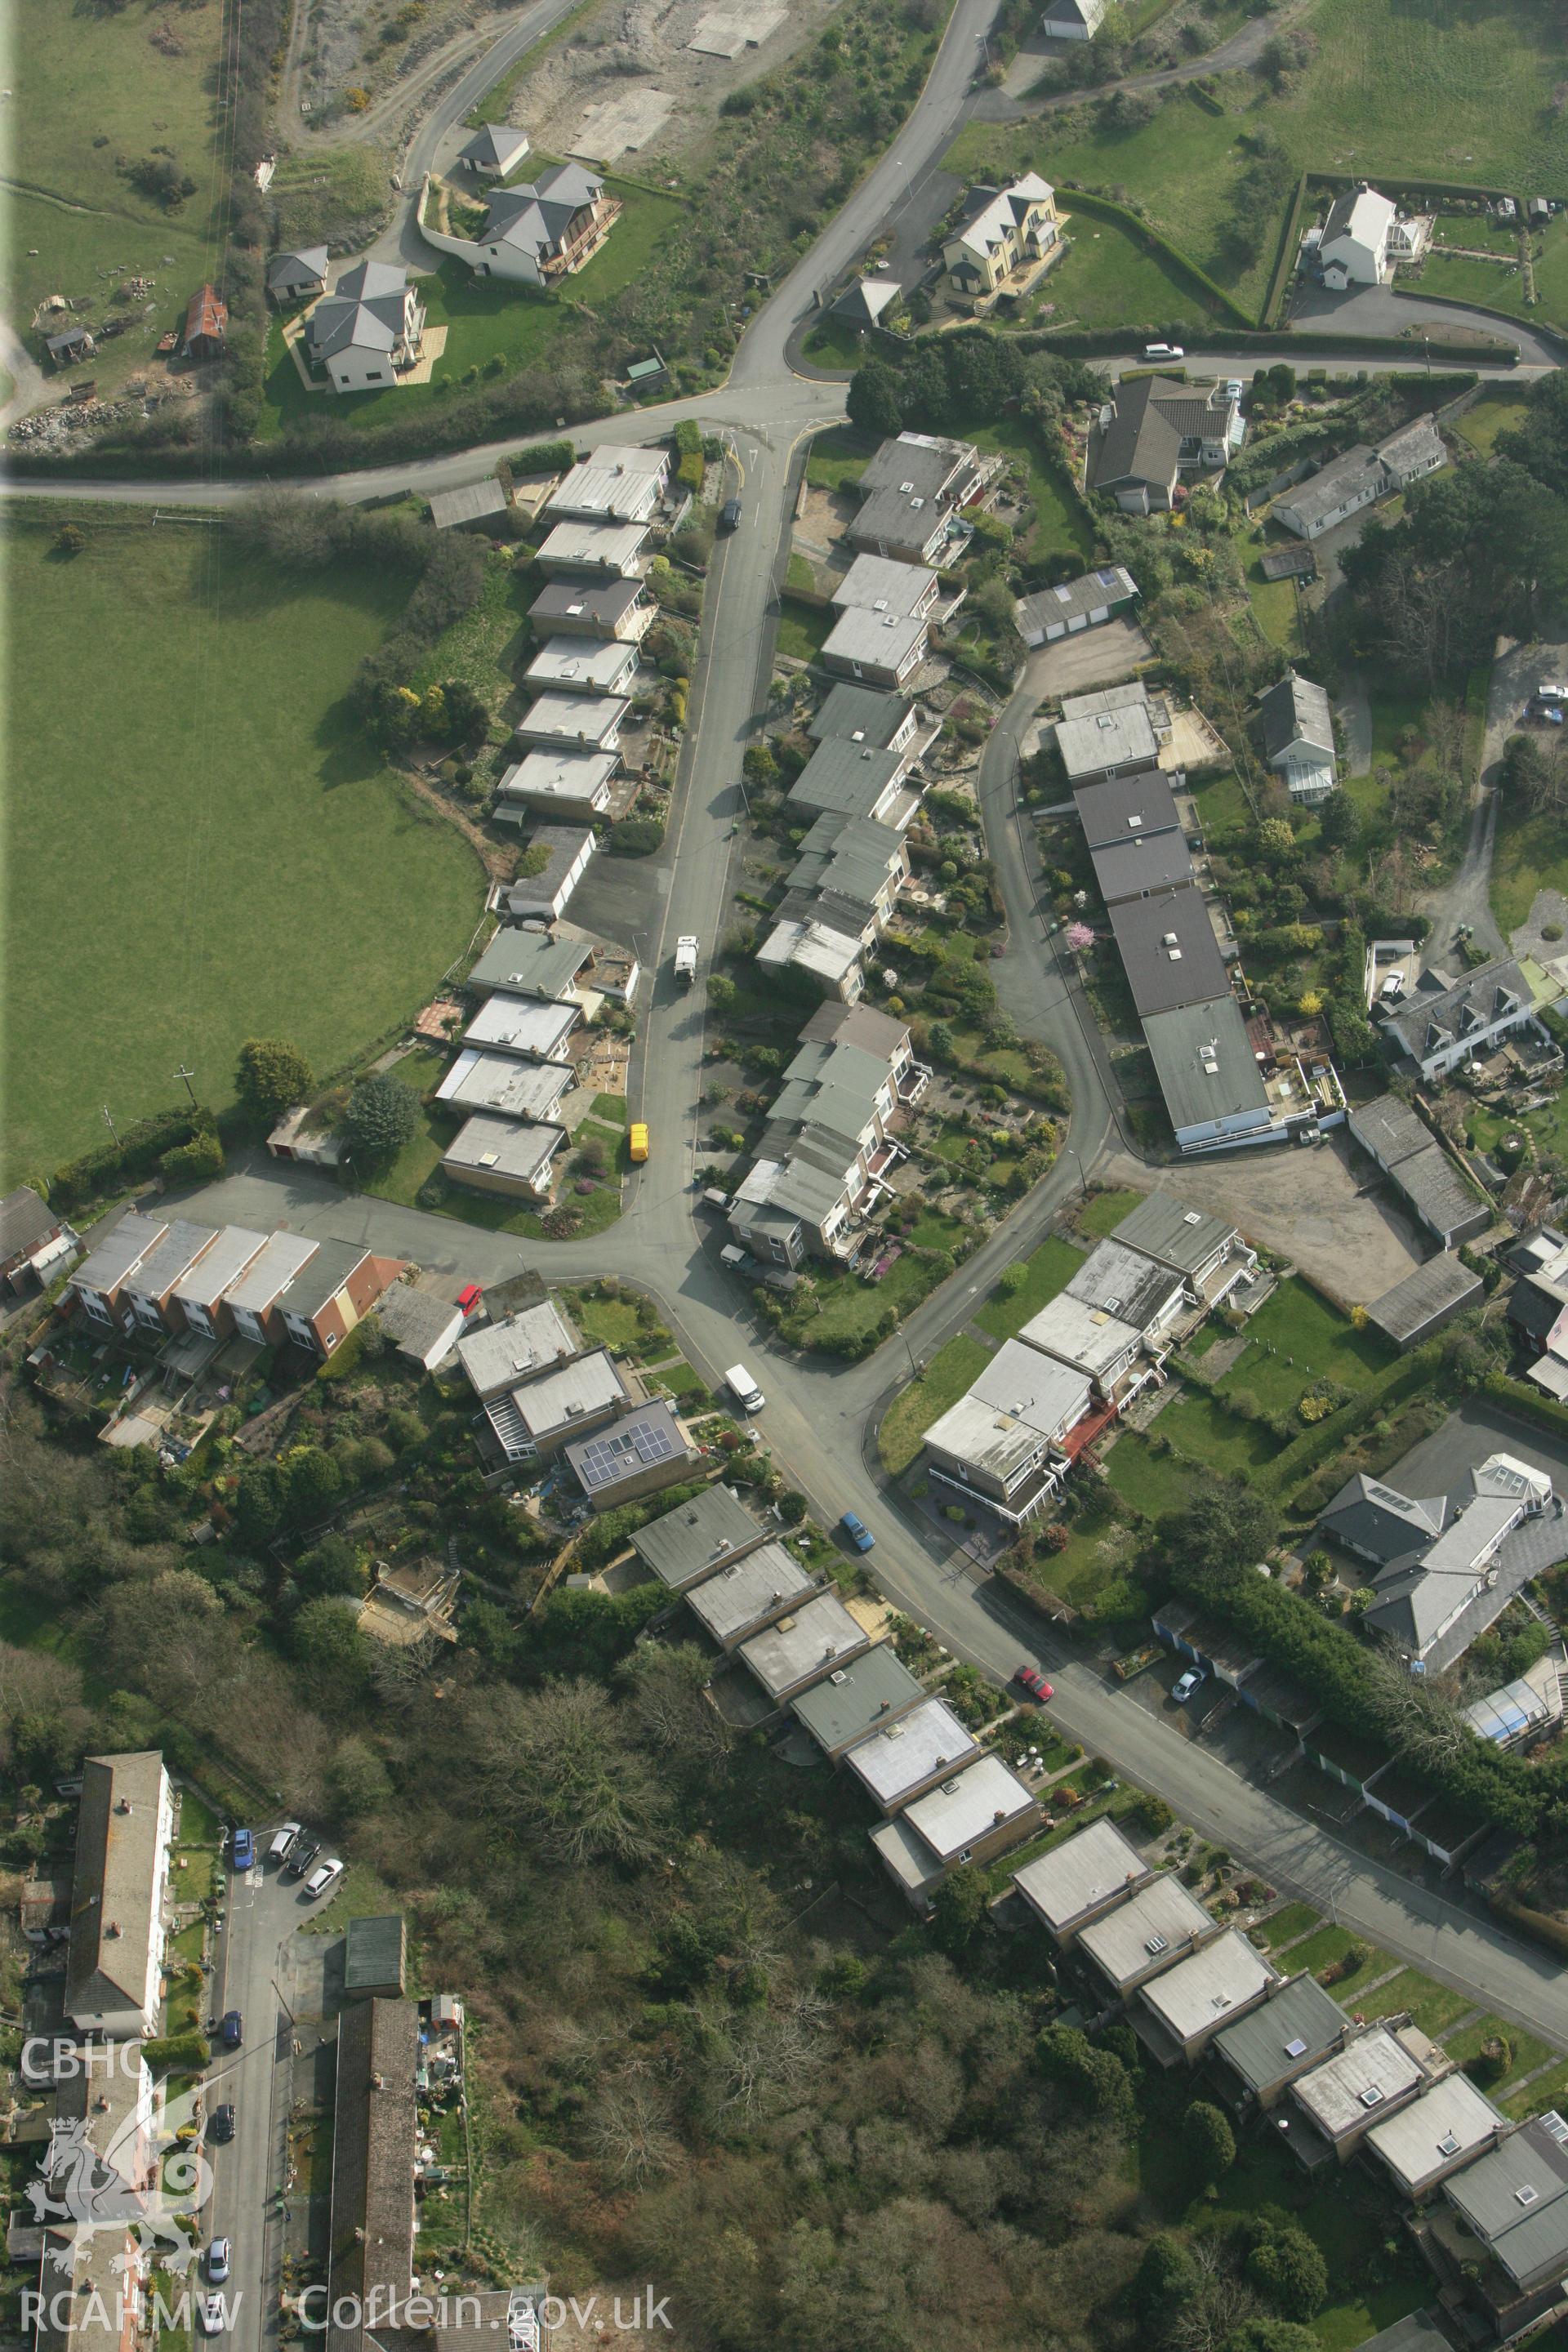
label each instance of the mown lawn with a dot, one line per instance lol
(1294, 1919)
(493, 329)
(1050, 1268)
(1206, 1433)
(835, 344)
(1528, 2050)
(1103, 1211)
(1494, 413)
(804, 629)
(836, 460)
(1106, 280)
(1060, 527)
(1332, 1943)
(944, 1380)
(1548, 2090)
(1153, 1483)
(1433, 2006)
(1295, 1338)
(201, 783)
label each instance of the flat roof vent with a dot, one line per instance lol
(1193, 1217)
(1297, 2049)
(1526, 2195)
(1134, 822)
(1155, 1945)
(1372, 2096)
(950, 1787)
(838, 1675)
(1447, 2144)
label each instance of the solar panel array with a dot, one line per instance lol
(603, 1459)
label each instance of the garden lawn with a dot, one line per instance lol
(680, 1382)
(944, 1380)
(493, 329)
(1294, 1920)
(834, 345)
(1050, 1268)
(1450, 91)
(1330, 1945)
(1295, 1338)
(1493, 412)
(414, 1181)
(804, 629)
(111, 96)
(849, 1306)
(1103, 1211)
(1092, 1571)
(484, 648)
(1202, 1429)
(1153, 1483)
(316, 194)
(1221, 806)
(836, 460)
(1060, 527)
(1107, 281)
(613, 1323)
(1548, 2090)
(1274, 608)
(612, 1108)
(1528, 2050)
(229, 812)
(1433, 2006)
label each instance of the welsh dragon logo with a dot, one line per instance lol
(147, 2182)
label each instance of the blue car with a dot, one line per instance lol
(243, 1854)
(858, 1533)
(233, 2028)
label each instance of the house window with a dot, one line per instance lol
(373, 375)
(330, 1341)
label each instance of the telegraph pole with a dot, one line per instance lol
(188, 1074)
(110, 1125)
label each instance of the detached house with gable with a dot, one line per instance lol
(547, 231)
(1005, 232)
(1298, 727)
(1153, 430)
(369, 329)
(1440, 1028)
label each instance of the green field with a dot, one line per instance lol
(836, 460)
(943, 1381)
(1456, 89)
(1295, 1338)
(493, 330)
(1494, 413)
(1103, 1211)
(112, 96)
(210, 843)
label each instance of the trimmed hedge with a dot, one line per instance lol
(1285, 259)
(1082, 344)
(1138, 230)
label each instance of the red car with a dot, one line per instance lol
(468, 1299)
(1030, 1679)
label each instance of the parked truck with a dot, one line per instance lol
(685, 959)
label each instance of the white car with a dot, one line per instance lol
(1191, 1681)
(320, 1880)
(282, 1840)
(218, 2257)
(213, 2314)
(1234, 387)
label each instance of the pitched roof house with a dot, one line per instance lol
(1354, 247)
(1297, 724)
(292, 277)
(114, 1973)
(546, 231)
(34, 1242)
(495, 151)
(1003, 230)
(206, 324)
(367, 329)
(1153, 429)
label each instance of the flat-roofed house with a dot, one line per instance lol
(999, 1445)
(755, 1591)
(562, 782)
(1124, 1282)
(611, 484)
(912, 490)
(857, 1699)
(494, 1153)
(585, 666)
(201, 1295)
(1119, 739)
(124, 1830)
(1091, 1339)
(1360, 2086)
(531, 963)
(499, 1356)
(374, 2153)
(577, 722)
(1124, 808)
(102, 1278)
(854, 779)
(1215, 1094)
(971, 1817)
(1449, 2126)
(150, 1287)
(1206, 1250)
(698, 1538)
(858, 714)
(643, 1449)
(1080, 1880)
(879, 584)
(252, 1299)
(595, 550)
(1147, 865)
(1512, 2210)
(799, 1649)
(903, 1760)
(1190, 2002)
(609, 611)
(529, 1026)
(1156, 1925)
(1263, 2052)
(534, 1419)
(500, 1083)
(884, 648)
(1169, 953)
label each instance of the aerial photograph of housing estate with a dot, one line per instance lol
(784, 1236)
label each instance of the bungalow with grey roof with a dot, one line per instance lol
(296, 277)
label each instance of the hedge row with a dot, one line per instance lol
(1083, 344)
(1285, 259)
(1138, 230)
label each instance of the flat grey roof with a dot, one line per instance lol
(911, 1751)
(883, 640)
(110, 1259)
(578, 722)
(1110, 739)
(500, 1354)
(1490, 2195)
(560, 772)
(1157, 861)
(845, 775)
(1125, 1283)
(1162, 1913)
(1218, 1978)
(816, 1636)
(1086, 1336)
(1168, 1229)
(1352, 2087)
(506, 1147)
(530, 963)
(601, 663)
(499, 1082)
(171, 1258)
(1126, 808)
(1204, 1063)
(274, 1264)
(1263, 2046)
(736, 1596)
(320, 1278)
(963, 1811)
(880, 584)
(219, 1266)
(859, 713)
(1037, 1389)
(1092, 592)
(1450, 2120)
(1389, 1128)
(521, 1025)
(643, 1438)
(606, 544)
(606, 601)
(690, 1541)
(1168, 951)
(1081, 1873)
(556, 1398)
(857, 1698)
(470, 504)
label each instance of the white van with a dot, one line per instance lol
(1163, 352)
(743, 1388)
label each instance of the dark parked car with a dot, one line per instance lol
(303, 1856)
(232, 2029)
(222, 2124)
(730, 515)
